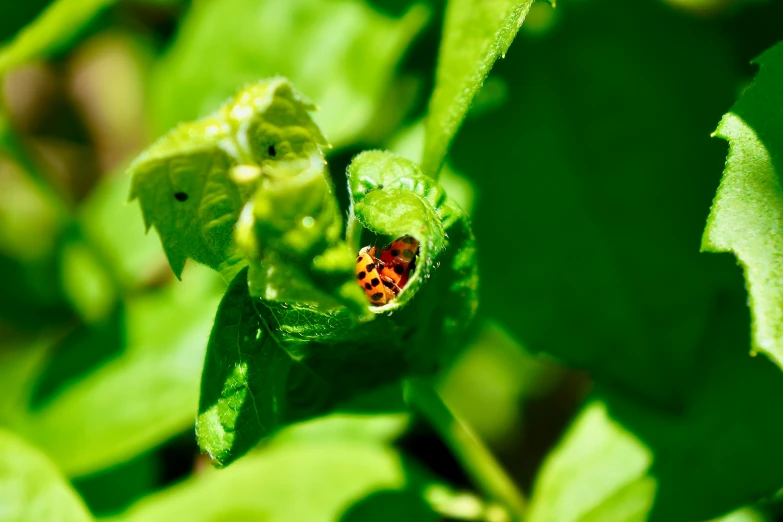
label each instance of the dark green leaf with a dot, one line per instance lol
(475, 34)
(622, 460)
(747, 214)
(593, 187)
(250, 386)
(32, 489)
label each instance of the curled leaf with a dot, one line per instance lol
(393, 198)
(192, 183)
(291, 230)
(272, 362)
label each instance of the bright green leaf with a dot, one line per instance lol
(53, 29)
(291, 230)
(747, 214)
(346, 480)
(137, 379)
(598, 472)
(32, 489)
(341, 53)
(135, 256)
(475, 34)
(193, 182)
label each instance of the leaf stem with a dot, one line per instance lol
(474, 456)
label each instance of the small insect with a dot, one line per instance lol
(383, 278)
(398, 260)
(377, 290)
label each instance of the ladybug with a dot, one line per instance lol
(398, 261)
(377, 288)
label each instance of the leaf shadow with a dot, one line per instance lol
(727, 425)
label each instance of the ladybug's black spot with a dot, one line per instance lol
(395, 253)
(368, 286)
(408, 254)
(361, 275)
(375, 281)
(271, 150)
(376, 297)
(407, 239)
(358, 259)
(399, 269)
(181, 196)
(370, 267)
(388, 284)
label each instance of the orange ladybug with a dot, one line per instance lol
(377, 288)
(398, 261)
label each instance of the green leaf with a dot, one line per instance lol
(184, 182)
(747, 213)
(591, 219)
(32, 488)
(393, 198)
(53, 29)
(475, 34)
(626, 460)
(349, 480)
(291, 230)
(270, 363)
(134, 381)
(250, 385)
(135, 256)
(341, 53)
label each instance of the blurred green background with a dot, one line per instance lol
(607, 369)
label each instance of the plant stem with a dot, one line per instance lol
(474, 456)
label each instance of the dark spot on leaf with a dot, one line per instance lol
(180, 196)
(375, 281)
(395, 253)
(361, 275)
(376, 297)
(399, 269)
(271, 150)
(368, 286)
(370, 267)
